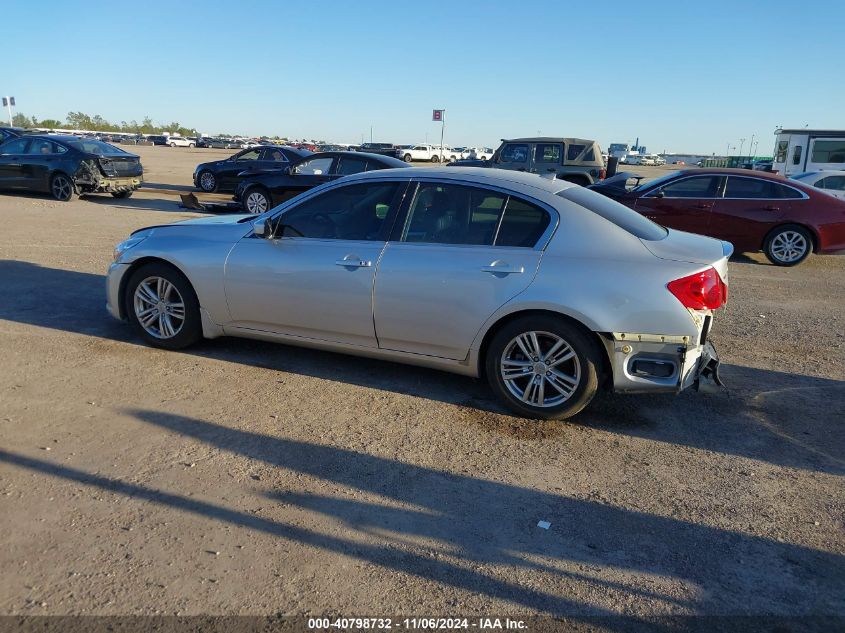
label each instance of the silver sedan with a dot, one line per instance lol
(545, 289)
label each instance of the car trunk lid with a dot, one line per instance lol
(680, 246)
(119, 166)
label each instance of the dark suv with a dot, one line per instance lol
(385, 149)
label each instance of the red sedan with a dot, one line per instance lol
(755, 211)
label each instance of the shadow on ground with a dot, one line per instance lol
(776, 417)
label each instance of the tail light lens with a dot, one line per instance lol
(602, 174)
(701, 291)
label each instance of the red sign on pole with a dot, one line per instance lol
(437, 115)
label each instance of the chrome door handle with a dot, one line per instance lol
(504, 269)
(353, 262)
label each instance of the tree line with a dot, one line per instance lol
(96, 123)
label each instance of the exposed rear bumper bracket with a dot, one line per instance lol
(708, 366)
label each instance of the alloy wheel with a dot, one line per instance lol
(540, 369)
(256, 202)
(207, 181)
(159, 307)
(62, 187)
(789, 246)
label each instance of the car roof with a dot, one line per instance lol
(505, 178)
(735, 171)
(379, 157)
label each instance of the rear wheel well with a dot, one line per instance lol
(606, 374)
(813, 236)
(135, 266)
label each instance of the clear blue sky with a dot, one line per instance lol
(681, 76)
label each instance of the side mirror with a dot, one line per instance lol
(660, 194)
(262, 228)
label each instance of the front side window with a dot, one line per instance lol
(574, 150)
(252, 154)
(348, 165)
(780, 151)
(314, 167)
(796, 155)
(547, 153)
(695, 187)
(453, 214)
(275, 155)
(829, 151)
(514, 153)
(354, 212)
(17, 146)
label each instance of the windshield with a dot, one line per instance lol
(95, 147)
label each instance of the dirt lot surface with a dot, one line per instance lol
(249, 478)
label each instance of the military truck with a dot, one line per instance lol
(573, 159)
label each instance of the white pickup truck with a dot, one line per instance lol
(425, 152)
(180, 141)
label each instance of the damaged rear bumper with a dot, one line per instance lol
(111, 185)
(658, 363)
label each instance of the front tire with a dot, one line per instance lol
(207, 181)
(62, 188)
(788, 245)
(543, 367)
(407, 158)
(257, 200)
(173, 145)
(435, 159)
(163, 307)
(191, 145)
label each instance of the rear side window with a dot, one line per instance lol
(522, 224)
(41, 147)
(614, 212)
(348, 165)
(574, 151)
(750, 188)
(453, 214)
(547, 153)
(796, 155)
(829, 151)
(836, 183)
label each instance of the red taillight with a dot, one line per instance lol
(602, 174)
(701, 291)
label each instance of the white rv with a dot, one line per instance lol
(798, 151)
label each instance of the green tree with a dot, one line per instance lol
(50, 123)
(21, 120)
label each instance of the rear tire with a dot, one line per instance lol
(788, 245)
(122, 194)
(162, 307)
(173, 145)
(543, 367)
(257, 200)
(62, 188)
(191, 145)
(435, 159)
(407, 158)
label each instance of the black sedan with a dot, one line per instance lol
(264, 191)
(224, 175)
(68, 166)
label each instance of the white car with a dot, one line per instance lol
(423, 152)
(180, 141)
(829, 181)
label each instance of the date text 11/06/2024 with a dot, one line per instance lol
(386, 624)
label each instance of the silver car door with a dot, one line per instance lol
(314, 277)
(463, 253)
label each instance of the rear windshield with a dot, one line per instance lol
(615, 212)
(95, 147)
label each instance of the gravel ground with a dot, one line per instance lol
(250, 478)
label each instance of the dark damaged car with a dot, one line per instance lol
(68, 166)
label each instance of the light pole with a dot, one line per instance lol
(741, 143)
(750, 145)
(728, 150)
(9, 102)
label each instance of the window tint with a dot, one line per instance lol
(453, 214)
(590, 156)
(354, 212)
(96, 147)
(347, 165)
(796, 155)
(514, 153)
(832, 182)
(252, 154)
(615, 212)
(15, 147)
(574, 151)
(522, 224)
(757, 188)
(275, 155)
(780, 151)
(829, 151)
(315, 166)
(547, 153)
(695, 187)
(41, 147)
